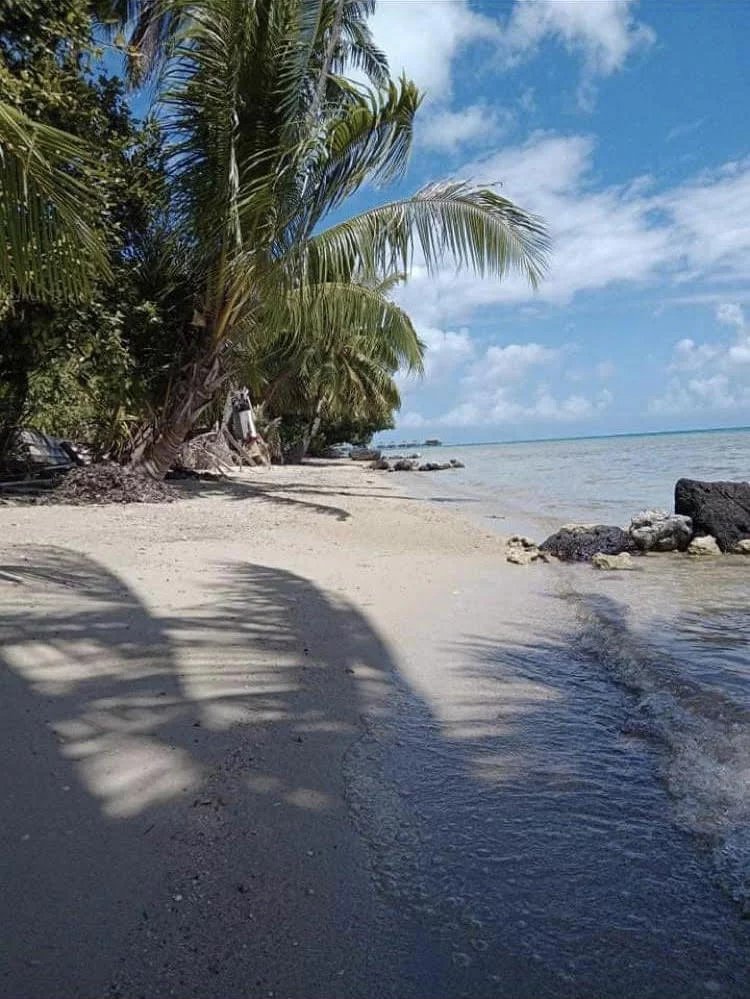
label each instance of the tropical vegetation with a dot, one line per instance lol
(154, 260)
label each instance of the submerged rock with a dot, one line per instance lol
(621, 561)
(580, 542)
(705, 545)
(721, 509)
(657, 530)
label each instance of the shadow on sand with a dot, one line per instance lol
(178, 790)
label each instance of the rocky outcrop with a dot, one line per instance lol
(657, 530)
(381, 465)
(404, 465)
(622, 561)
(703, 546)
(721, 509)
(742, 547)
(580, 542)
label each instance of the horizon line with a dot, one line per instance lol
(581, 437)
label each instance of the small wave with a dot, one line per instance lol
(706, 736)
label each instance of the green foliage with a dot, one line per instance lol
(88, 368)
(350, 431)
(52, 209)
(215, 241)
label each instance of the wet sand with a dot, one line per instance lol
(283, 737)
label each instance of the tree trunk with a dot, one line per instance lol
(313, 428)
(196, 389)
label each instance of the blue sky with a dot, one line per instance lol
(625, 126)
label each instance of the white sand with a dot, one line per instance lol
(180, 684)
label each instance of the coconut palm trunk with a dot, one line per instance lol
(198, 386)
(312, 428)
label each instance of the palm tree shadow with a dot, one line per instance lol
(131, 735)
(174, 779)
(239, 490)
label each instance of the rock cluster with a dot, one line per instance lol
(710, 518)
(439, 466)
(580, 542)
(410, 465)
(721, 509)
(659, 531)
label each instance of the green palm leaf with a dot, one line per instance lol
(49, 248)
(451, 221)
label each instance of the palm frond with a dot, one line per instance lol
(367, 140)
(326, 314)
(49, 247)
(450, 221)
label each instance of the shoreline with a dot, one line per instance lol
(181, 684)
(304, 734)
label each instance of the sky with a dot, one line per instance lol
(625, 126)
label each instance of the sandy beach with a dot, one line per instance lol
(300, 734)
(181, 685)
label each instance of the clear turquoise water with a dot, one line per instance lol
(674, 633)
(603, 479)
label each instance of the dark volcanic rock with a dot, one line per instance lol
(579, 544)
(718, 508)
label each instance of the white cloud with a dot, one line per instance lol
(500, 365)
(423, 39)
(627, 234)
(711, 220)
(501, 385)
(474, 125)
(410, 421)
(605, 33)
(501, 407)
(447, 351)
(711, 376)
(731, 314)
(680, 131)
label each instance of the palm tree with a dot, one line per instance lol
(268, 136)
(334, 371)
(49, 248)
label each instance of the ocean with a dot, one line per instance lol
(619, 856)
(675, 632)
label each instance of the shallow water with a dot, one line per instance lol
(602, 479)
(591, 812)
